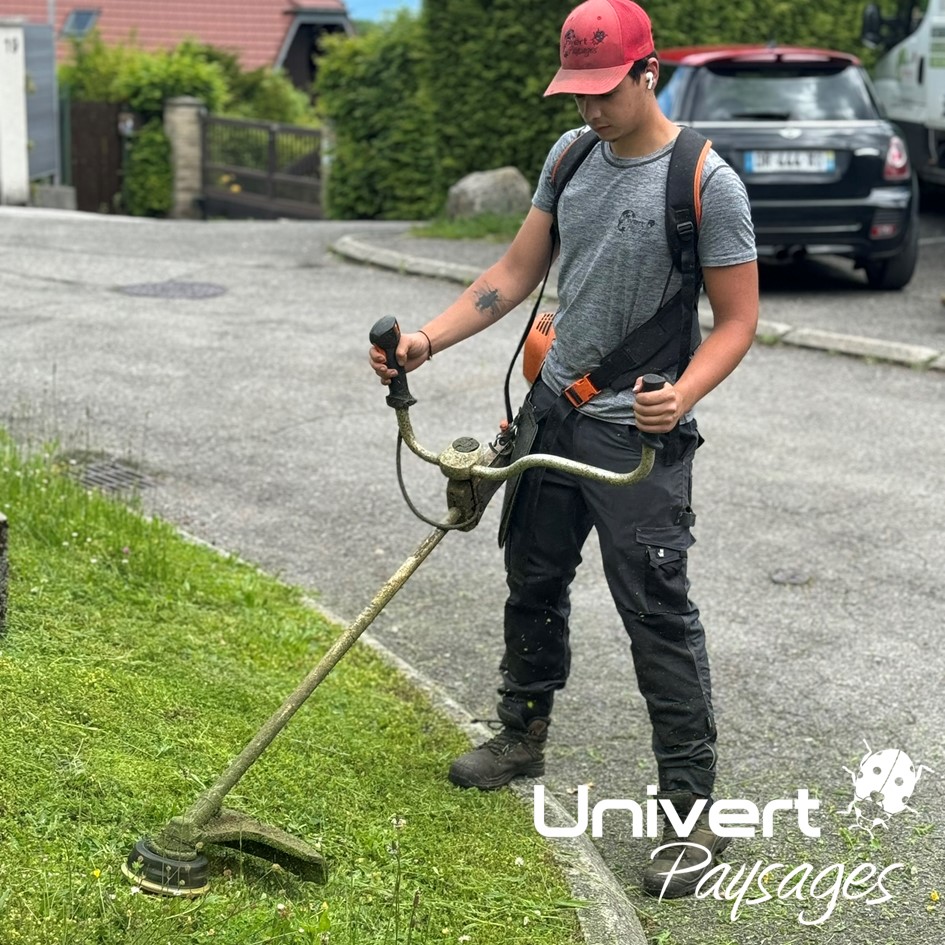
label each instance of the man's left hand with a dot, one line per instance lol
(656, 411)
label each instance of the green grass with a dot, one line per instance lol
(136, 664)
(487, 226)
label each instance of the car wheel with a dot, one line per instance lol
(895, 272)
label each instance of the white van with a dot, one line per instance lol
(910, 78)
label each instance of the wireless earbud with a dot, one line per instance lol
(650, 80)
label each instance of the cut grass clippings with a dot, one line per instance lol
(136, 665)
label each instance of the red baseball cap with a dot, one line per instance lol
(600, 40)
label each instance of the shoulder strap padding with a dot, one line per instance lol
(683, 216)
(683, 186)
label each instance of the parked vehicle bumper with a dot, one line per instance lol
(872, 227)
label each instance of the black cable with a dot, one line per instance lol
(403, 491)
(528, 328)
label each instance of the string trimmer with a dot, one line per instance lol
(172, 862)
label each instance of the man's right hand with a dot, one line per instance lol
(412, 351)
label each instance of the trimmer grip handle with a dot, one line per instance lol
(652, 382)
(386, 335)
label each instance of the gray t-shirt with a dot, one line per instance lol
(616, 269)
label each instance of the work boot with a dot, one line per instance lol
(669, 879)
(514, 753)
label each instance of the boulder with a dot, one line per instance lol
(503, 191)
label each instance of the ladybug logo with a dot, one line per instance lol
(882, 784)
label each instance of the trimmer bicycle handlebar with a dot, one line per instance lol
(466, 459)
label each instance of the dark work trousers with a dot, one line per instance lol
(644, 534)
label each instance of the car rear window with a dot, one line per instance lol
(781, 92)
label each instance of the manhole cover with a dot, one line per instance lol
(174, 290)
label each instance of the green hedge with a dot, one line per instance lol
(149, 183)
(383, 158)
(418, 102)
(489, 63)
(459, 88)
(833, 24)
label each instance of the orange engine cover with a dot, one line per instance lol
(539, 340)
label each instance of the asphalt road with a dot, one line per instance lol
(819, 557)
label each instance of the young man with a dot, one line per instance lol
(616, 271)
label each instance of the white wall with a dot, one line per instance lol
(14, 153)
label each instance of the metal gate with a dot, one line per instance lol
(260, 169)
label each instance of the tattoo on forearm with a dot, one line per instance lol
(488, 301)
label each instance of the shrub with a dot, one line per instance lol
(830, 23)
(140, 79)
(489, 63)
(92, 75)
(265, 94)
(383, 160)
(151, 78)
(149, 184)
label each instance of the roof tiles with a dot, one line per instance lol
(255, 29)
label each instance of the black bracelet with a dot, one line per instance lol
(429, 344)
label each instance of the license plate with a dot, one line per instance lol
(804, 162)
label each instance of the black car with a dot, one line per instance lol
(825, 172)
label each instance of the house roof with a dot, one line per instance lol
(255, 29)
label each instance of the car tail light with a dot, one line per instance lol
(897, 160)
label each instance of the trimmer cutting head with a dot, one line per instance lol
(165, 875)
(171, 863)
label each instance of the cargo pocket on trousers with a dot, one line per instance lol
(666, 551)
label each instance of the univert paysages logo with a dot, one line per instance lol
(884, 781)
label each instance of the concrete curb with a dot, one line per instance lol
(876, 349)
(355, 249)
(358, 251)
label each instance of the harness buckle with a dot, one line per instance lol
(581, 391)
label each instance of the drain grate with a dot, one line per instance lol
(105, 473)
(174, 290)
(113, 476)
